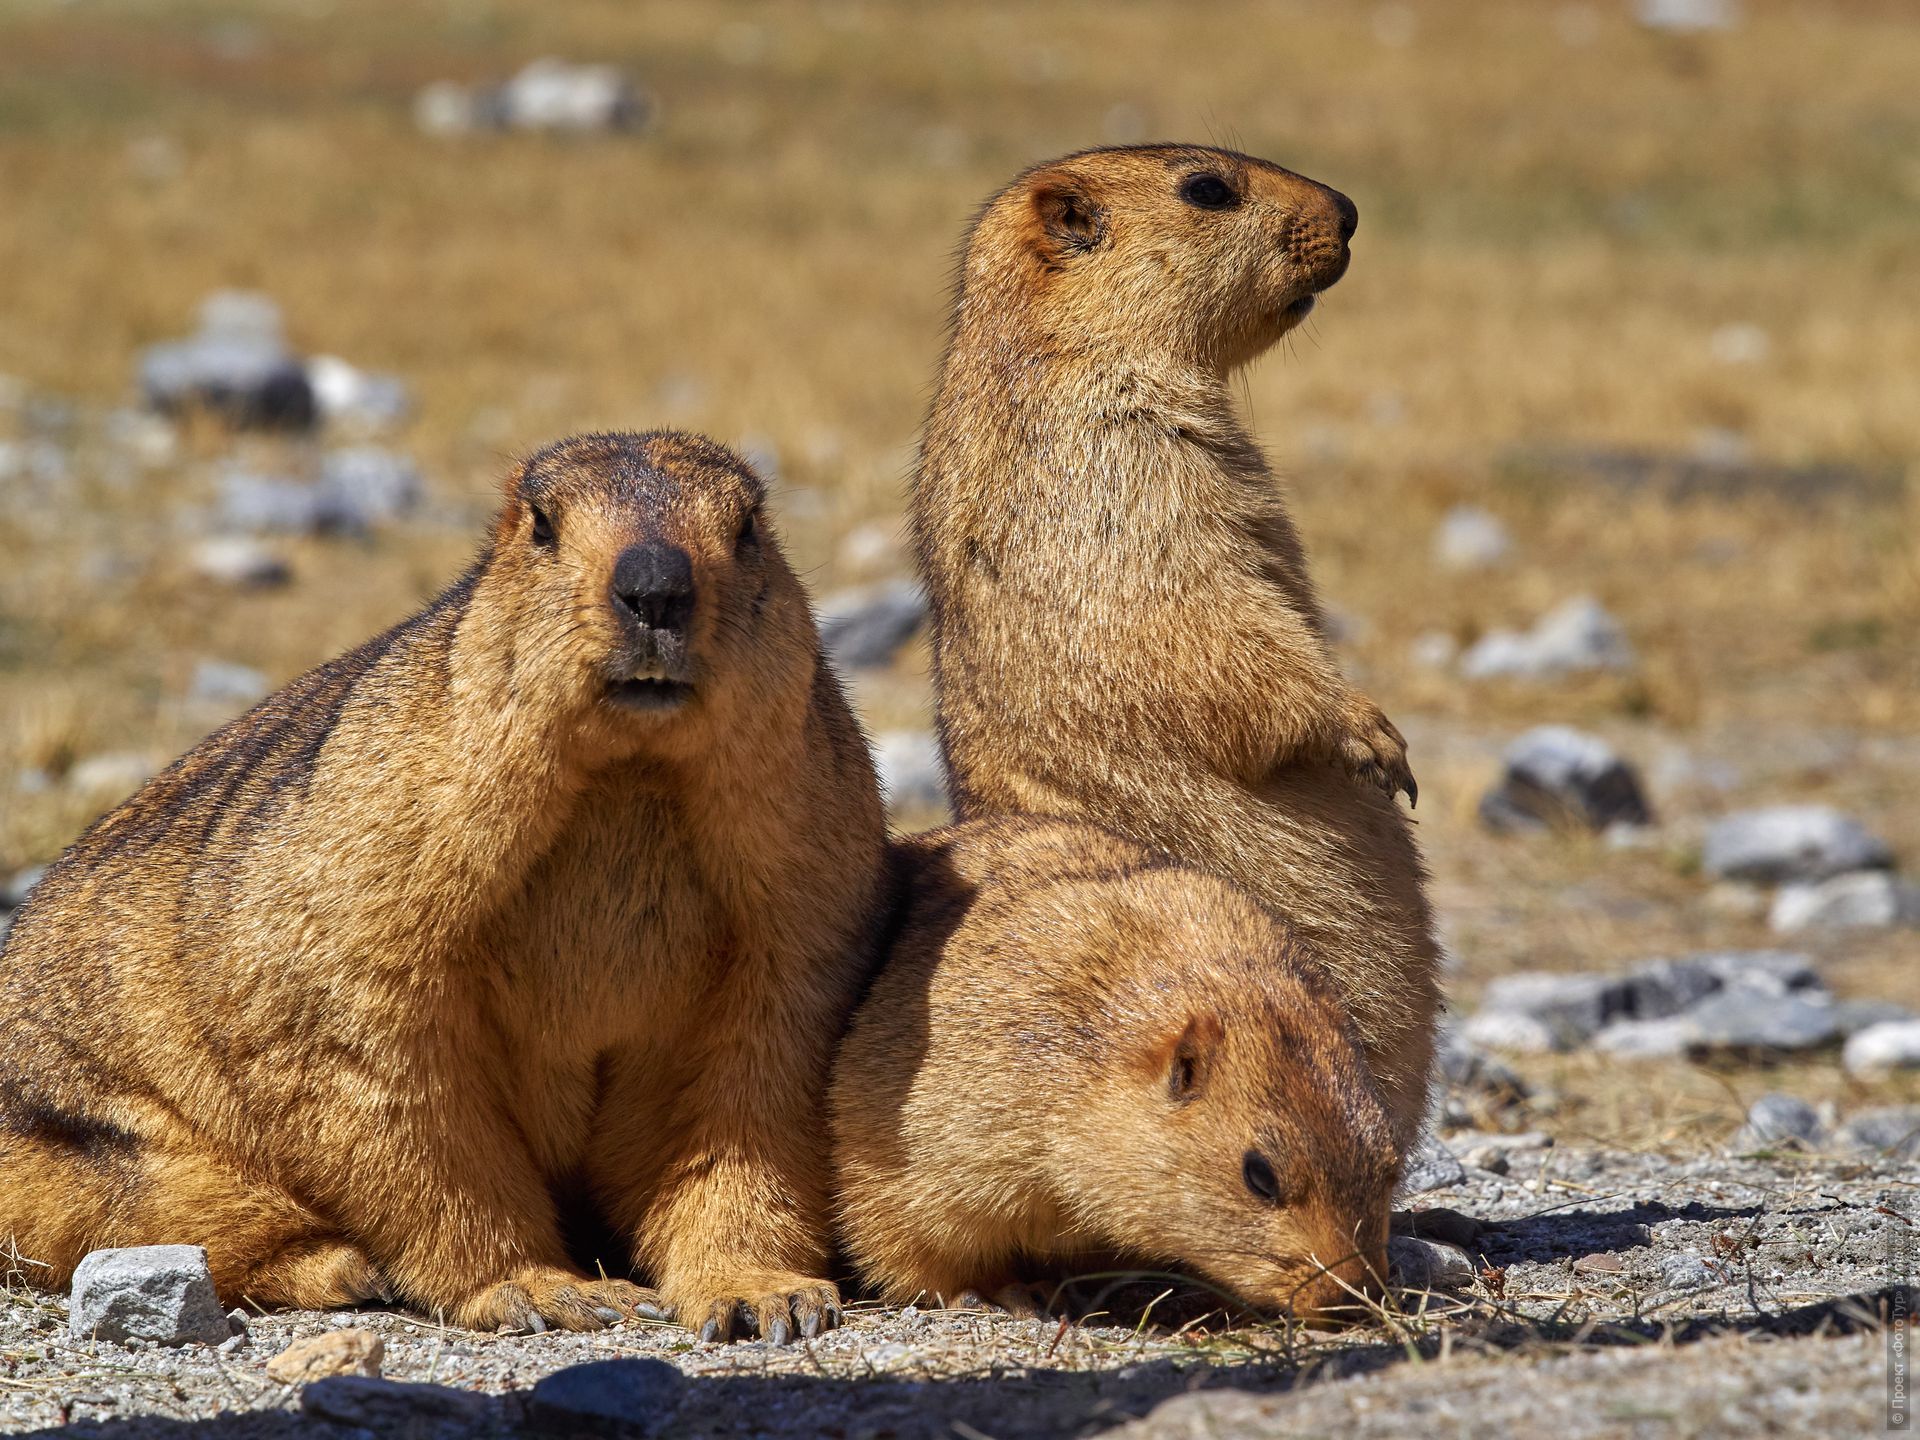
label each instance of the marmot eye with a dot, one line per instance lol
(1209, 192)
(748, 534)
(1260, 1178)
(542, 527)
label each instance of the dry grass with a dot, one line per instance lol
(1558, 211)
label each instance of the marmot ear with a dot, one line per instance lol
(1071, 220)
(1184, 1058)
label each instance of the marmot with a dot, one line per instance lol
(562, 886)
(1123, 627)
(1079, 1052)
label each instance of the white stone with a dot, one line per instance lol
(1577, 637)
(1864, 899)
(912, 774)
(239, 561)
(1470, 538)
(1881, 1049)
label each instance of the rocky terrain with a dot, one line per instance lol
(1621, 537)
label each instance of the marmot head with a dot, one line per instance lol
(1245, 1139)
(1209, 254)
(645, 576)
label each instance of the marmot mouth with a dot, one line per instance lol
(1298, 310)
(649, 694)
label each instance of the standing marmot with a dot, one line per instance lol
(563, 884)
(1124, 631)
(1078, 1049)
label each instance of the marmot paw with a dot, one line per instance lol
(776, 1308)
(1374, 751)
(545, 1298)
(1022, 1302)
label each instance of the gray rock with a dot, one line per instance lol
(1742, 1020)
(1892, 1130)
(353, 399)
(1790, 842)
(1853, 1016)
(1863, 899)
(1771, 972)
(1464, 1066)
(364, 486)
(1556, 775)
(1648, 1039)
(1470, 538)
(1577, 637)
(14, 891)
(270, 504)
(1662, 988)
(1685, 1271)
(222, 683)
(159, 1293)
(607, 1397)
(1881, 1049)
(912, 775)
(1514, 1033)
(1776, 1118)
(391, 1407)
(1572, 1007)
(1416, 1264)
(237, 367)
(240, 562)
(866, 627)
(359, 488)
(41, 464)
(444, 108)
(1431, 1166)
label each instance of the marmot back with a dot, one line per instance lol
(1124, 630)
(563, 884)
(1078, 1050)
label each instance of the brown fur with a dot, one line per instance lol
(349, 992)
(1070, 1053)
(1124, 629)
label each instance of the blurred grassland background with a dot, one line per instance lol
(1560, 212)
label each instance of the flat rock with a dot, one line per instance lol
(336, 1352)
(1572, 1007)
(1431, 1166)
(1862, 899)
(1579, 636)
(607, 1397)
(1416, 1264)
(1881, 1049)
(362, 487)
(1514, 1033)
(912, 774)
(1559, 776)
(1776, 1118)
(159, 1293)
(1785, 843)
(1744, 1021)
(118, 772)
(866, 627)
(1892, 1130)
(389, 1407)
(1648, 1039)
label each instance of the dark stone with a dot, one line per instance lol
(627, 1397)
(1557, 776)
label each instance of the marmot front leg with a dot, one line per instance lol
(733, 1223)
(454, 1211)
(1371, 747)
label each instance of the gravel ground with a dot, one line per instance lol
(1616, 1294)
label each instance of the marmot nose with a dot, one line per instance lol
(653, 584)
(1348, 215)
